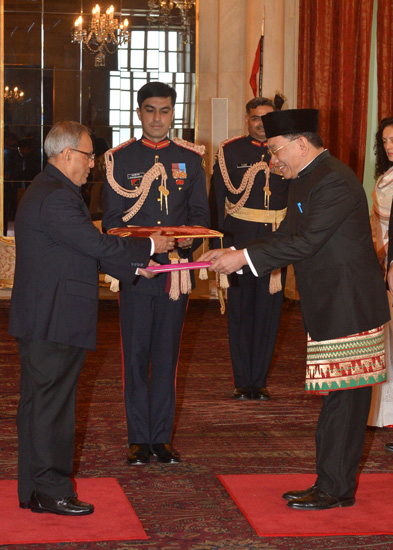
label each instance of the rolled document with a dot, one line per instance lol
(177, 267)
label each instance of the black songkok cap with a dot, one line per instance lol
(290, 121)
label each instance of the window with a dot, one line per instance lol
(151, 55)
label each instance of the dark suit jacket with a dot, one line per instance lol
(58, 253)
(327, 237)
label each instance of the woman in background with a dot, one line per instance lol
(381, 411)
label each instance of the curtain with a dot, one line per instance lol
(385, 58)
(334, 58)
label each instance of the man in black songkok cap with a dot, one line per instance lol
(326, 235)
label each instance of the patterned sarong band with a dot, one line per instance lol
(345, 363)
(261, 216)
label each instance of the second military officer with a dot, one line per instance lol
(251, 203)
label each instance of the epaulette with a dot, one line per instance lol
(122, 145)
(229, 140)
(259, 143)
(200, 149)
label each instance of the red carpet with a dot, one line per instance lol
(259, 499)
(113, 518)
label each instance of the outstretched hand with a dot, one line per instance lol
(224, 260)
(145, 273)
(212, 255)
(184, 243)
(162, 243)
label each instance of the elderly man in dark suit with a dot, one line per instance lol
(53, 313)
(327, 237)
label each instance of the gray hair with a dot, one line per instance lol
(63, 134)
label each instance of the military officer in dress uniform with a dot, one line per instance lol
(151, 182)
(251, 203)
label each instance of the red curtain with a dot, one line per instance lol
(385, 58)
(334, 58)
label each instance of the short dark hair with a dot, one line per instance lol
(314, 138)
(156, 89)
(382, 163)
(259, 102)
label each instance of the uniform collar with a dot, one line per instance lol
(153, 145)
(256, 142)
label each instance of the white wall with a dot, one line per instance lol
(228, 36)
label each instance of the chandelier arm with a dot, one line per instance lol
(91, 49)
(107, 48)
(161, 14)
(104, 35)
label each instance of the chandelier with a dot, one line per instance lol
(162, 13)
(13, 96)
(105, 34)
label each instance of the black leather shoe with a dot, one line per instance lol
(292, 495)
(166, 453)
(318, 500)
(389, 447)
(24, 505)
(138, 454)
(260, 393)
(68, 506)
(241, 393)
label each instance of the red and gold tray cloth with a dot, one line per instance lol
(179, 232)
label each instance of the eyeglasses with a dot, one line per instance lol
(91, 156)
(275, 151)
